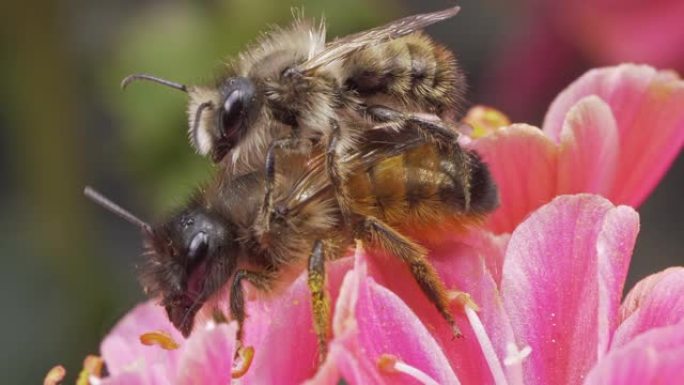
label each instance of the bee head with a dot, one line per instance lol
(187, 259)
(218, 116)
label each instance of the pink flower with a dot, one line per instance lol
(548, 293)
(613, 132)
(205, 358)
(553, 317)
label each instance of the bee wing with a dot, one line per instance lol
(342, 47)
(311, 185)
(375, 145)
(379, 144)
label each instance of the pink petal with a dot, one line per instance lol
(647, 105)
(281, 331)
(354, 351)
(654, 357)
(588, 148)
(562, 280)
(346, 359)
(387, 326)
(654, 302)
(488, 247)
(523, 162)
(122, 350)
(642, 290)
(344, 363)
(463, 264)
(155, 374)
(208, 355)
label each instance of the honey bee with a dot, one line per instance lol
(292, 90)
(398, 183)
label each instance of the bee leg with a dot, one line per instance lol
(386, 238)
(434, 128)
(320, 303)
(237, 297)
(290, 144)
(335, 174)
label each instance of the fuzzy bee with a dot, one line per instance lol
(398, 183)
(292, 90)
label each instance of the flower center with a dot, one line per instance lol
(485, 120)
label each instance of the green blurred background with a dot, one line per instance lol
(67, 266)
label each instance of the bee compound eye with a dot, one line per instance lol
(199, 245)
(239, 96)
(231, 112)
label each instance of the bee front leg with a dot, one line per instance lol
(237, 297)
(320, 303)
(435, 129)
(335, 173)
(382, 236)
(290, 144)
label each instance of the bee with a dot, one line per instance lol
(292, 90)
(398, 183)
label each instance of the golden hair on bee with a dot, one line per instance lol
(396, 187)
(292, 84)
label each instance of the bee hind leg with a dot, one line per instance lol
(432, 126)
(320, 302)
(413, 255)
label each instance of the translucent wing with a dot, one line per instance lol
(342, 47)
(375, 145)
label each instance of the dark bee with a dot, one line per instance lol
(397, 183)
(293, 85)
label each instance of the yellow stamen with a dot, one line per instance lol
(92, 367)
(160, 338)
(247, 355)
(55, 375)
(485, 120)
(464, 299)
(389, 363)
(386, 363)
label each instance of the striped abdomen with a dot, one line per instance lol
(424, 189)
(413, 69)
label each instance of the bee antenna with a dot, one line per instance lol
(110, 206)
(133, 77)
